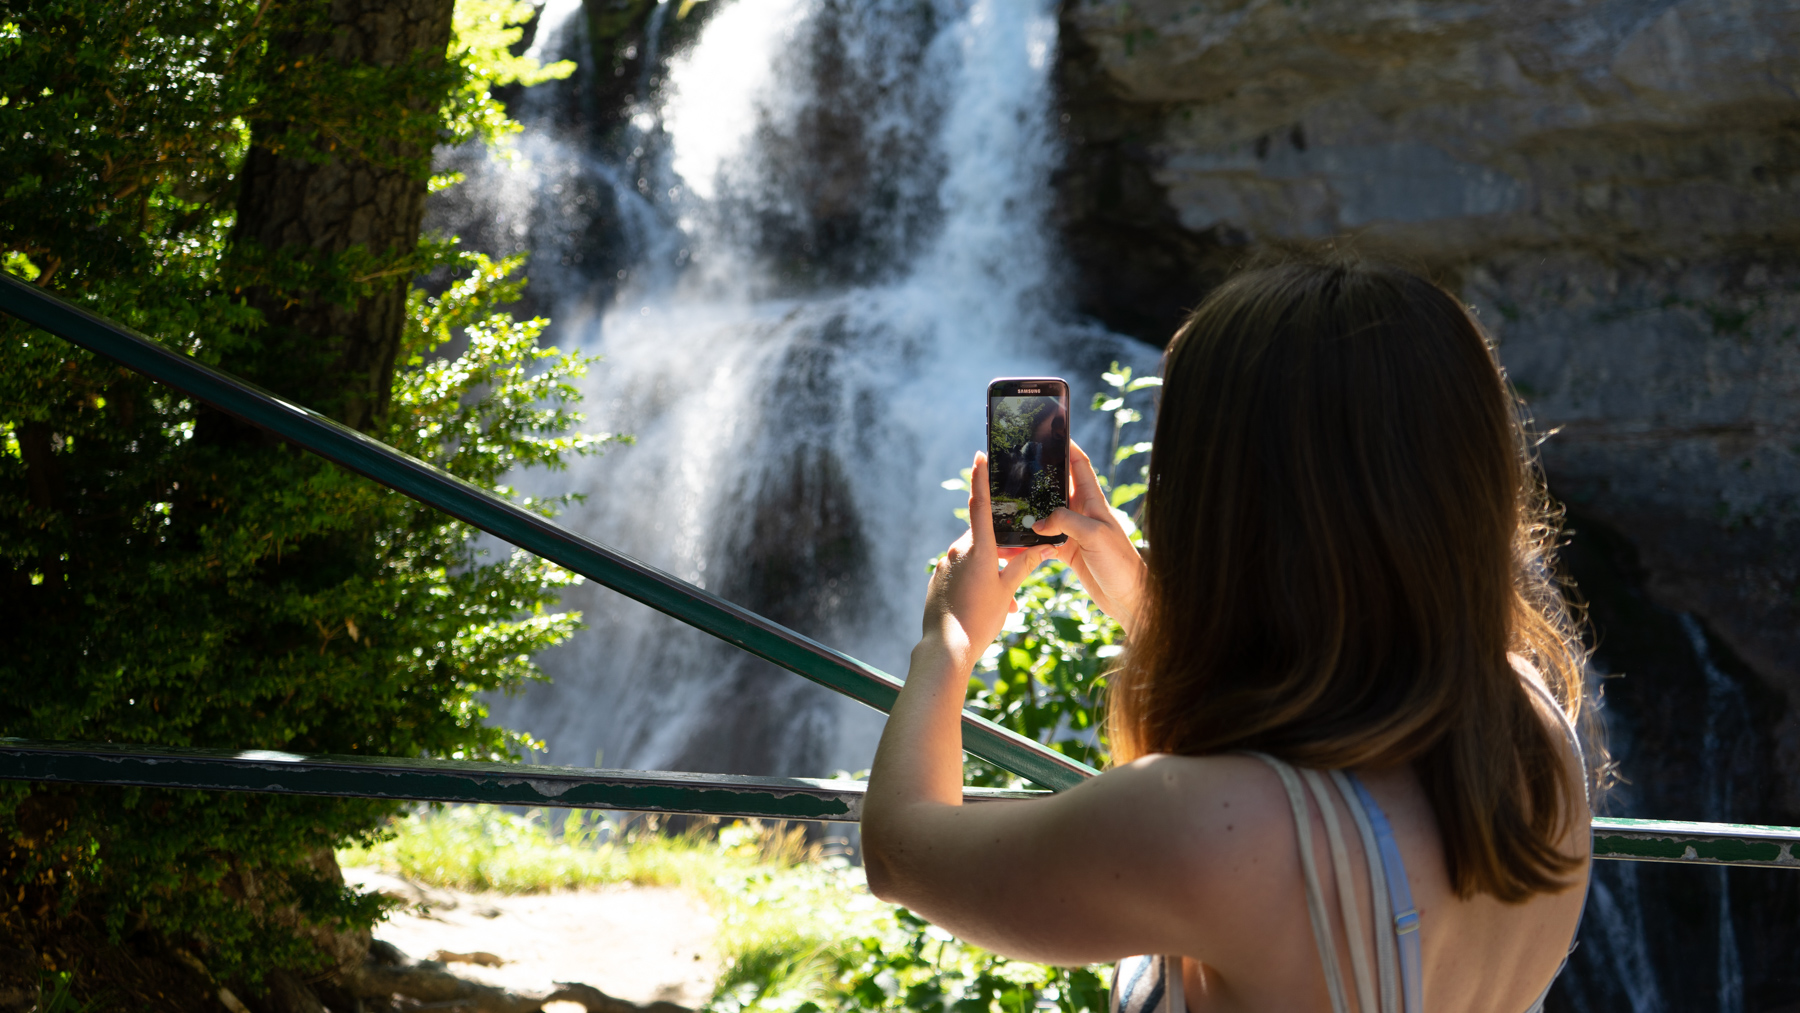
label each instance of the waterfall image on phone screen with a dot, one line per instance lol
(815, 234)
(1028, 467)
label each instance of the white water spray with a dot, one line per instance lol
(796, 403)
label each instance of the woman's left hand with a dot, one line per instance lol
(970, 593)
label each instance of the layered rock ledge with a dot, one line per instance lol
(1613, 184)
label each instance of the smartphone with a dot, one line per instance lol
(1028, 455)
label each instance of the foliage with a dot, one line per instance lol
(485, 32)
(917, 966)
(56, 994)
(1010, 426)
(1044, 678)
(168, 581)
(1113, 403)
(799, 929)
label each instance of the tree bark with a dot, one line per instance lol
(337, 358)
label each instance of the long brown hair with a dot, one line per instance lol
(1348, 537)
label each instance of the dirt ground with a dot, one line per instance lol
(638, 943)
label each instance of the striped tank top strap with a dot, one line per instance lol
(1363, 977)
(1406, 917)
(1387, 958)
(1315, 897)
(1147, 984)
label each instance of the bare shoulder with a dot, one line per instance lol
(1215, 829)
(1208, 845)
(1181, 797)
(1158, 856)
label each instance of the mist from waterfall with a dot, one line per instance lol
(827, 231)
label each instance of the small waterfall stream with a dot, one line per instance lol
(1689, 733)
(825, 230)
(1727, 721)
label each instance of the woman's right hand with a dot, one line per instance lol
(1098, 548)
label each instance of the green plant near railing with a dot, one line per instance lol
(920, 967)
(248, 610)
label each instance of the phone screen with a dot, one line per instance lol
(1028, 456)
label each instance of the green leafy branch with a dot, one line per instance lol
(1119, 378)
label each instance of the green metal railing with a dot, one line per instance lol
(438, 488)
(572, 787)
(786, 798)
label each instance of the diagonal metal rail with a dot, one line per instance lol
(435, 487)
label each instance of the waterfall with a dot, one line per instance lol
(1646, 943)
(1613, 967)
(819, 231)
(1616, 909)
(1724, 704)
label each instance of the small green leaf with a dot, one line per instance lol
(1129, 450)
(1126, 493)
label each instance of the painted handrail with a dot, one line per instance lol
(786, 798)
(573, 787)
(1702, 843)
(457, 781)
(435, 487)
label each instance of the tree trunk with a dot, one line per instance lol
(331, 201)
(335, 357)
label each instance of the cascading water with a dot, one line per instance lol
(1726, 723)
(1691, 743)
(828, 226)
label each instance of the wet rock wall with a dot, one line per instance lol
(1613, 184)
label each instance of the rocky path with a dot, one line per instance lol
(645, 944)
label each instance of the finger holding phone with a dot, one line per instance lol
(971, 592)
(1097, 546)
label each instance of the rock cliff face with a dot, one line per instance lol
(1613, 184)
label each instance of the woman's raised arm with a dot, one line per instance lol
(1103, 870)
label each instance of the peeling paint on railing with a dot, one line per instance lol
(1700, 843)
(422, 780)
(786, 798)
